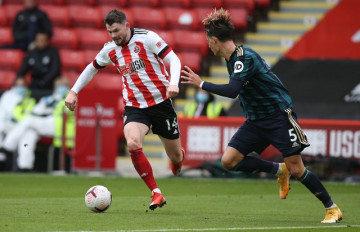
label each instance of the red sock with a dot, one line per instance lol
(143, 167)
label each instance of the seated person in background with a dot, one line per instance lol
(205, 105)
(44, 64)
(27, 23)
(15, 105)
(45, 121)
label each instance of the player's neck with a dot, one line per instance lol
(228, 49)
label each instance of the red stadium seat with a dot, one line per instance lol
(7, 79)
(72, 60)
(91, 38)
(11, 12)
(263, 3)
(176, 3)
(11, 59)
(3, 18)
(80, 2)
(71, 76)
(239, 18)
(206, 3)
(191, 59)
(115, 3)
(167, 36)
(65, 38)
(202, 12)
(40, 2)
(59, 15)
(108, 81)
(149, 18)
(6, 35)
(148, 3)
(191, 41)
(104, 10)
(90, 55)
(180, 18)
(85, 16)
(249, 5)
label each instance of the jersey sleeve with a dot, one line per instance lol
(102, 59)
(157, 45)
(243, 68)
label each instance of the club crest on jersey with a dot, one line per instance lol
(238, 66)
(137, 49)
(132, 68)
(159, 44)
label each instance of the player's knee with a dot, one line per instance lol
(296, 171)
(227, 163)
(133, 143)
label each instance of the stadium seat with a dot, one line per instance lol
(249, 5)
(7, 79)
(176, 3)
(239, 18)
(11, 12)
(202, 12)
(85, 16)
(115, 3)
(148, 3)
(149, 18)
(72, 60)
(206, 3)
(65, 38)
(59, 15)
(263, 3)
(3, 19)
(180, 18)
(104, 10)
(90, 55)
(80, 2)
(6, 35)
(40, 2)
(71, 76)
(91, 38)
(11, 59)
(191, 41)
(191, 59)
(108, 81)
(167, 36)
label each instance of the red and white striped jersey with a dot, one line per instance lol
(140, 63)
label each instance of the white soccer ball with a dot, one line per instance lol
(98, 198)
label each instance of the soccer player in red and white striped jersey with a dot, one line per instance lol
(138, 55)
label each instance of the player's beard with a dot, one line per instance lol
(120, 41)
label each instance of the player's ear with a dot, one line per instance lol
(216, 40)
(127, 24)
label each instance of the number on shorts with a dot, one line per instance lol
(292, 134)
(174, 123)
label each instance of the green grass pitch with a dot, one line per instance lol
(35, 202)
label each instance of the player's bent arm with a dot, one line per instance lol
(230, 90)
(175, 67)
(84, 78)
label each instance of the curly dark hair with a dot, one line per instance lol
(218, 23)
(115, 16)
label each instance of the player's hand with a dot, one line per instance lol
(71, 100)
(172, 91)
(189, 77)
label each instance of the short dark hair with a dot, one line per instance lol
(115, 16)
(218, 24)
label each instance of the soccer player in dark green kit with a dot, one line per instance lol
(267, 107)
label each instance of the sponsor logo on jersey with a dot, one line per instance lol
(132, 68)
(238, 66)
(354, 95)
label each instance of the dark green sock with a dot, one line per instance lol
(251, 164)
(313, 183)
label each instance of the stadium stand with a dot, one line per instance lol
(11, 11)
(3, 19)
(180, 18)
(6, 35)
(85, 16)
(7, 78)
(65, 38)
(91, 38)
(59, 15)
(155, 17)
(72, 60)
(10, 59)
(176, 3)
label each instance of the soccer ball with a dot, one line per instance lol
(98, 198)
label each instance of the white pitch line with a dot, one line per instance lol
(226, 229)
